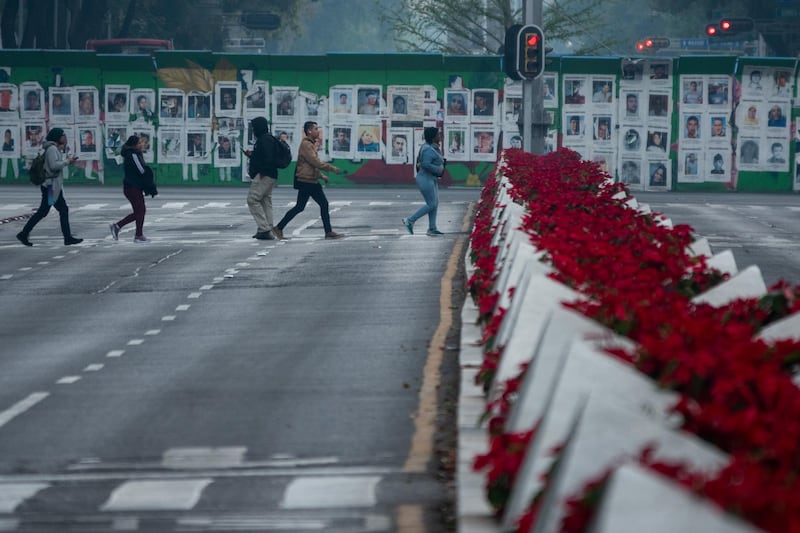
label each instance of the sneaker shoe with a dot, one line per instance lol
(72, 240)
(334, 235)
(114, 231)
(141, 238)
(433, 233)
(278, 233)
(409, 226)
(21, 237)
(264, 236)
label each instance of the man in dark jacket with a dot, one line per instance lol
(263, 176)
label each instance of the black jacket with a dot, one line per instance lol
(137, 173)
(262, 161)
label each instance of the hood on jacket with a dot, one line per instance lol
(260, 126)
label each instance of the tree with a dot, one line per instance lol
(478, 26)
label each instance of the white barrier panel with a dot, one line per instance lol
(724, 262)
(746, 284)
(700, 247)
(787, 328)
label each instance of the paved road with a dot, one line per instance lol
(207, 381)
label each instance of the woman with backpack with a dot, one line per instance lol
(138, 181)
(430, 167)
(52, 189)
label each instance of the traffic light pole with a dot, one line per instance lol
(534, 120)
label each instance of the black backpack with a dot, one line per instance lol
(38, 172)
(283, 153)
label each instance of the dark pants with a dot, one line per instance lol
(44, 208)
(136, 198)
(306, 191)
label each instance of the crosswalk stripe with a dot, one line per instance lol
(327, 492)
(160, 495)
(12, 494)
(91, 207)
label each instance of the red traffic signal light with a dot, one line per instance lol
(639, 46)
(532, 39)
(653, 43)
(530, 52)
(736, 25)
(712, 30)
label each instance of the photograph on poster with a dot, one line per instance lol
(692, 91)
(777, 152)
(549, 95)
(783, 85)
(9, 100)
(170, 145)
(483, 143)
(141, 103)
(87, 146)
(717, 163)
(456, 143)
(484, 104)
(399, 105)
(602, 91)
(657, 141)
(87, 104)
(284, 102)
(512, 106)
(255, 100)
(575, 126)
(401, 142)
(34, 136)
(456, 105)
(227, 153)
(116, 135)
(171, 103)
(632, 140)
(341, 141)
(751, 114)
(146, 133)
(61, 105)
(341, 99)
(198, 107)
(601, 128)
(691, 164)
(632, 70)
(31, 97)
(368, 144)
(755, 81)
(227, 99)
(630, 172)
(368, 100)
(719, 127)
(574, 91)
(748, 152)
(718, 93)
(631, 105)
(197, 146)
(10, 140)
(691, 127)
(601, 160)
(657, 174)
(514, 140)
(288, 133)
(658, 105)
(659, 71)
(117, 102)
(776, 117)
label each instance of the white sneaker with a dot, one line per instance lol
(141, 238)
(114, 231)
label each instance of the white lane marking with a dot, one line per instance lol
(17, 207)
(168, 318)
(204, 457)
(13, 494)
(23, 269)
(255, 523)
(43, 263)
(195, 295)
(381, 203)
(386, 231)
(341, 202)
(58, 257)
(298, 231)
(21, 406)
(174, 205)
(115, 353)
(206, 287)
(125, 523)
(241, 265)
(91, 207)
(7, 276)
(792, 208)
(68, 380)
(326, 492)
(205, 232)
(217, 279)
(163, 495)
(152, 332)
(215, 204)
(94, 367)
(183, 307)
(135, 342)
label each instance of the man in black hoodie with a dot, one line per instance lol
(263, 175)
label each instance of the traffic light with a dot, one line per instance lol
(530, 52)
(732, 26)
(651, 44)
(712, 30)
(510, 52)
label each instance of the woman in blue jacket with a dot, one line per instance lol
(137, 182)
(430, 167)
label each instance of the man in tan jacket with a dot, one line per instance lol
(308, 174)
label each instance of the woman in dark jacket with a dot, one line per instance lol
(138, 181)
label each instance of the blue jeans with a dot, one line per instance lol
(430, 192)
